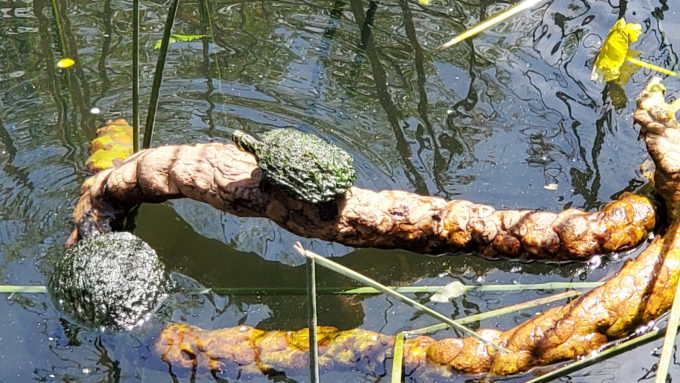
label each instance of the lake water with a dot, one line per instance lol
(494, 120)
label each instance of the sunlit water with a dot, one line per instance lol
(494, 120)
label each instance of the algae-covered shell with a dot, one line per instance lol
(307, 167)
(113, 280)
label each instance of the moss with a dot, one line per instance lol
(113, 280)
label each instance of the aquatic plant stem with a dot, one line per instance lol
(312, 321)
(342, 270)
(60, 31)
(596, 357)
(23, 289)
(522, 6)
(644, 64)
(336, 290)
(397, 358)
(496, 313)
(328, 290)
(207, 20)
(135, 76)
(669, 341)
(158, 75)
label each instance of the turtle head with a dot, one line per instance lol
(245, 141)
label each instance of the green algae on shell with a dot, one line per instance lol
(302, 164)
(112, 280)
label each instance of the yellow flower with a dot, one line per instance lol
(615, 51)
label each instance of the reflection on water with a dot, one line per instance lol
(493, 119)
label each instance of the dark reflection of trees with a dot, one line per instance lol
(105, 16)
(72, 139)
(46, 51)
(393, 114)
(206, 29)
(80, 89)
(438, 166)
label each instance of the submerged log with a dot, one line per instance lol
(229, 179)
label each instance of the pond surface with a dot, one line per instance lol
(495, 120)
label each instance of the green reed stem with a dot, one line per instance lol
(342, 270)
(600, 356)
(330, 290)
(397, 359)
(517, 8)
(495, 313)
(312, 321)
(207, 20)
(60, 31)
(135, 75)
(669, 341)
(23, 289)
(158, 75)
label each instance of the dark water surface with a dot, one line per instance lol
(493, 120)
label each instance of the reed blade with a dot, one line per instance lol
(312, 321)
(600, 356)
(135, 76)
(669, 341)
(11, 289)
(397, 359)
(349, 273)
(158, 75)
(644, 64)
(496, 313)
(521, 6)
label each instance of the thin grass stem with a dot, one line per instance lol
(644, 64)
(496, 313)
(668, 348)
(521, 6)
(205, 15)
(397, 359)
(312, 321)
(342, 270)
(158, 75)
(10, 289)
(135, 75)
(60, 31)
(330, 290)
(597, 357)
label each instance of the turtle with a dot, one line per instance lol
(303, 165)
(111, 280)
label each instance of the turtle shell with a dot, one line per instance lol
(304, 165)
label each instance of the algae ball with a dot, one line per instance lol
(113, 280)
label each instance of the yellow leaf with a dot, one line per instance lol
(65, 63)
(424, 2)
(615, 50)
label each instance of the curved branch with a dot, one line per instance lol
(228, 179)
(639, 293)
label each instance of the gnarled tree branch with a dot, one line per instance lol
(228, 179)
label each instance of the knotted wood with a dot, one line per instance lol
(229, 179)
